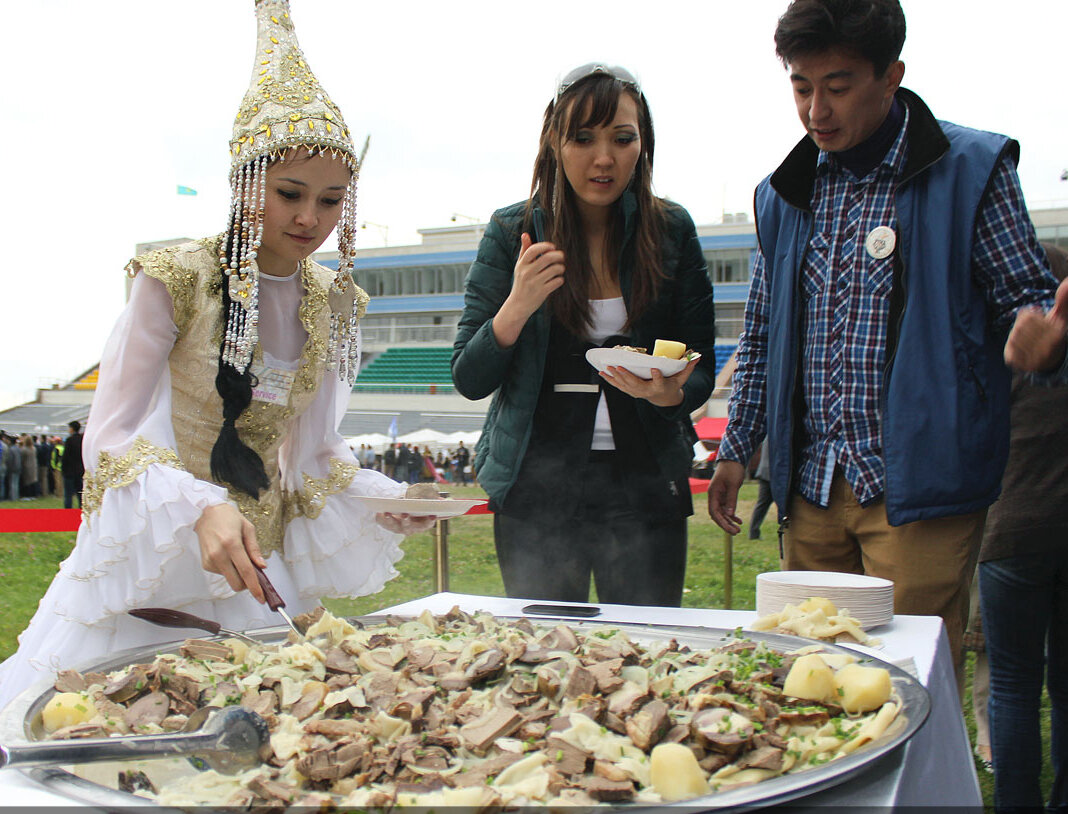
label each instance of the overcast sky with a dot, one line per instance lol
(111, 105)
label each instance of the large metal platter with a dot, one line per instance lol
(21, 720)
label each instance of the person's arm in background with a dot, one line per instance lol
(1011, 267)
(1037, 342)
(746, 407)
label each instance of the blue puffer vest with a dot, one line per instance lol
(945, 400)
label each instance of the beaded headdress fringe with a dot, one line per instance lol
(285, 108)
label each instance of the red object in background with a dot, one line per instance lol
(32, 520)
(438, 477)
(57, 520)
(711, 429)
(698, 486)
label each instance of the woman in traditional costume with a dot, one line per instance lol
(212, 445)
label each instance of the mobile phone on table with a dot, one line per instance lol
(562, 610)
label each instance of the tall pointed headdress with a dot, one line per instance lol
(285, 107)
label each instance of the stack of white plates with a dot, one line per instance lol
(870, 600)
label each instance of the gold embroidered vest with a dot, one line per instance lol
(191, 274)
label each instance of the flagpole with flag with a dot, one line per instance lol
(393, 430)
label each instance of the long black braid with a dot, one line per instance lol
(232, 461)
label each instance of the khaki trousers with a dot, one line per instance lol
(930, 562)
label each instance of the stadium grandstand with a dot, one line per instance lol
(416, 300)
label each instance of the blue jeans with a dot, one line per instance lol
(71, 487)
(13, 485)
(1025, 615)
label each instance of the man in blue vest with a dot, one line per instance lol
(894, 252)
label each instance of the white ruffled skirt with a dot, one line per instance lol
(140, 550)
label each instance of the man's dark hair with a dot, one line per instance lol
(74, 426)
(871, 29)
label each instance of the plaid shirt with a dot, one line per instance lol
(845, 301)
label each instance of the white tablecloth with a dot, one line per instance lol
(935, 767)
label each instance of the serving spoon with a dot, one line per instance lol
(229, 740)
(165, 617)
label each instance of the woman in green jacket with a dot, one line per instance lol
(587, 472)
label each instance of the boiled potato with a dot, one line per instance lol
(67, 709)
(238, 648)
(810, 678)
(819, 603)
(669, 348)
(836, 661)
(861, 689)
(674, 773)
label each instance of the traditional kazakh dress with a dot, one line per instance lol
(155, 417)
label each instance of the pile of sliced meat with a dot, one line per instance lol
(420, 707)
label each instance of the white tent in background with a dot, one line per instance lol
(375, 440)
(428, 437)
(469, 438)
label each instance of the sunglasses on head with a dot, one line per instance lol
(591, 68)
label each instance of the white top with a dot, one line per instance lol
(141, 549)
(607, 318)
(282, 337)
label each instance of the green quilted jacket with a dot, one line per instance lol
(683, 311)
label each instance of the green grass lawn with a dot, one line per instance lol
(473, 562)
(29, 561)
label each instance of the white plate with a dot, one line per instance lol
(640, 364)
(829, 579)
(870, 600)
(420, 507)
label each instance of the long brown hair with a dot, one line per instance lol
(598, 96)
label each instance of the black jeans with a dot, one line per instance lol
(636, 558)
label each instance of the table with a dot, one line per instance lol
(934, 768)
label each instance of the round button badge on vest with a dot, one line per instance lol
(880, 242)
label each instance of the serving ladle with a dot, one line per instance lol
(229, 740)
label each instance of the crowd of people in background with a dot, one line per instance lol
(33, 466)
(409, 463)
(26, 466)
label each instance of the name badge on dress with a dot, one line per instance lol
(274, 384)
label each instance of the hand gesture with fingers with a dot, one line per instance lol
(228, 547)
(539, 271)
